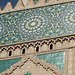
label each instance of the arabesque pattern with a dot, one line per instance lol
(37, 23)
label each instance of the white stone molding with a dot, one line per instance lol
(28, 4)
(0, 9)
(8, 7)
(19, 5)
(58, 43)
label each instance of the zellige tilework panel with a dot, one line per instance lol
(37, 23)
(6, 64)
(57, 59)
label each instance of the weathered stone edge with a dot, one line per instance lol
(28, 4)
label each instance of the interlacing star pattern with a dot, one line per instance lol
(37, 23)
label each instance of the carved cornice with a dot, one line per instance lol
(40, 42)
(28, 4)
(46, 66)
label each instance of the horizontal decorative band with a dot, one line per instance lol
(37, 42)
(27, 4)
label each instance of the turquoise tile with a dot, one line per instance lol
(6, 64)
(57, 59)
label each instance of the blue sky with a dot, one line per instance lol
(4, 2)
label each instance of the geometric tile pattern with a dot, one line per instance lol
(6, 64)
(37, 23)
(57, 59)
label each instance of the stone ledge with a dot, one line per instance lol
(63, 43)
(28, 4)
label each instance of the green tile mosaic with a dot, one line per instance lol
(6, 64)
(37, 23)
(57, 59)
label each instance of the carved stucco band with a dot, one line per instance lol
(36, 42)
(27, 4)
(46, 66)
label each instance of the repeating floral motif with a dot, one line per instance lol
(37, 23)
